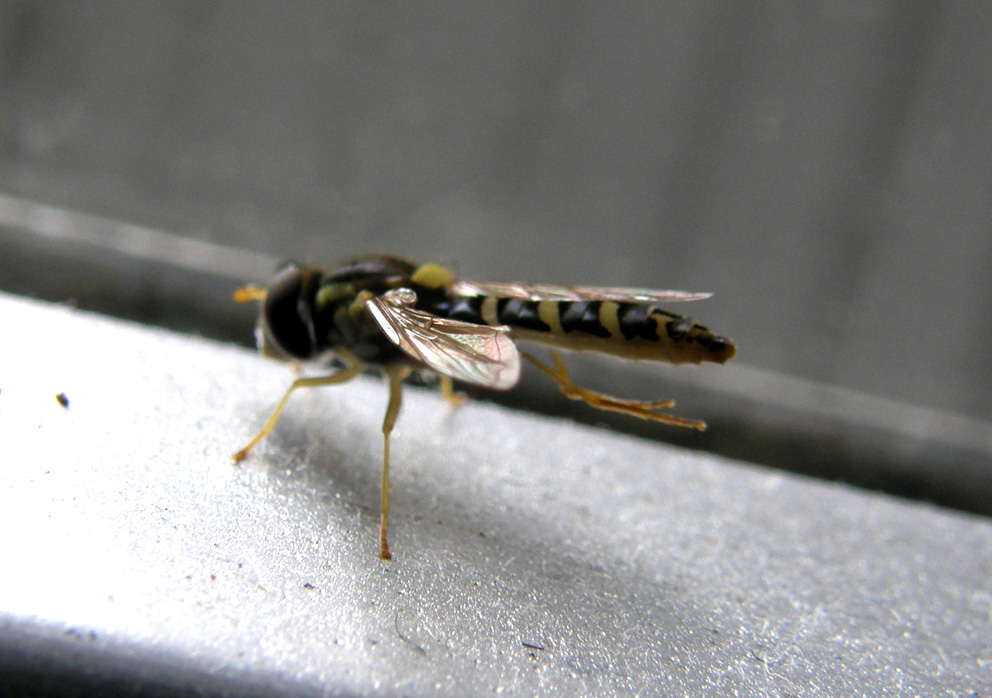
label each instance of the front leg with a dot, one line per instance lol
(352, 368)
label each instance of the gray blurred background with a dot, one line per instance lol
(822, 168)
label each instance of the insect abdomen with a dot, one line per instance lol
(632, 330)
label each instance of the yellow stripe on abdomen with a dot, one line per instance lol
(489, 311)
(547, 311)
(609, 319)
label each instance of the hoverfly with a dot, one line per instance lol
(393, 315)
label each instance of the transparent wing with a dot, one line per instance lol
(476, 354)
(548, 292)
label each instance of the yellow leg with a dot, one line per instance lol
(396, 373)
(353, 368)
(634, 408)
(448, 392)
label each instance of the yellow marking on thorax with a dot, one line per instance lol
(332, 293)
(488, 311)
(548, 312)
(432, 276)
(609, 319)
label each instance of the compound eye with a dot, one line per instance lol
(287, 315)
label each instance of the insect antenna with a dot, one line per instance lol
(247, 294)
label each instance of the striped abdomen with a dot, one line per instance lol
(628, 330)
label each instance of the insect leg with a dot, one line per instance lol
(396, 373)
(601, 401)
(353, 368)
(448, 392)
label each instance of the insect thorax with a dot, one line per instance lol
(340, 319)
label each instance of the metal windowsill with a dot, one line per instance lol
(533, 555)
(828, 432)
